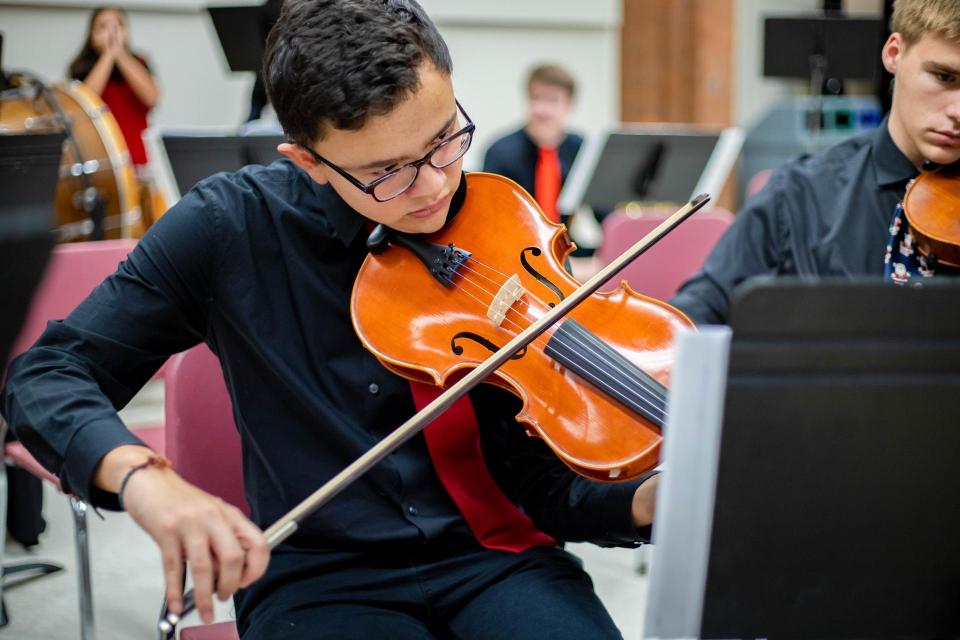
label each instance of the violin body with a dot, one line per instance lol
(932, 206)
(577, 396)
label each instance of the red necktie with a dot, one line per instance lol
(453, 440)
(546, 182)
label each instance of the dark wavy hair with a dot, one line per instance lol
(82, 65)
(338, 62)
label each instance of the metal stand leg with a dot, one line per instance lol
(84, 589)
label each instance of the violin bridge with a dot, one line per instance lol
(510, 292)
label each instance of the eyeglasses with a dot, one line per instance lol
(392, 184)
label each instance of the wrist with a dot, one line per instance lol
(155, 462)
(644, 502)
(114, 466)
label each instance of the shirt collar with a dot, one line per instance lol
(892, 166)
(345, 221)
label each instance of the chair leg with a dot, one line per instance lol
(642, 556)
(28, 570)
(85, 592)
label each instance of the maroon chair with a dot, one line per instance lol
(661, 271)
(73, 271)
(203, 444)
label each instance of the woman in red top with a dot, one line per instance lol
(119, 76)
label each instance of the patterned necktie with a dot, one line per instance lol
(903, 263)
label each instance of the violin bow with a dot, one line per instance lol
(288, 524)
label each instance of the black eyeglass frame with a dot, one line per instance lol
(368, 189)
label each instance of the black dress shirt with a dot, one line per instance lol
(825, 215)
(259, 265)
(515, 156)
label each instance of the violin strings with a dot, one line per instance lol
(639, 393)
(597, 351)
(654, 404)
(539, 340)
(655, 392)
(642, 392)
(544, 304)
(659, 399)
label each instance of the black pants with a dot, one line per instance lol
(473, 595)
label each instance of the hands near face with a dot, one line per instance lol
(109, 36)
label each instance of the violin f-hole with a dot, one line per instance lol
(469, 335)
(535, 251)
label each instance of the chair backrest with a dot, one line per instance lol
(201, 438)
(74, 270)
(660, 271)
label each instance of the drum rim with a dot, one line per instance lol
(109, 132)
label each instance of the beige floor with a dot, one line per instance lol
(127, 580)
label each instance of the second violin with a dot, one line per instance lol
(932, 206)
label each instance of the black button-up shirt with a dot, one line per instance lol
(825, 215)
(515, 156)
(259, 265)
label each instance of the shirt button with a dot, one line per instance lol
(412, 510)
(373, 388)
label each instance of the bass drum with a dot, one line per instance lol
(97, 192)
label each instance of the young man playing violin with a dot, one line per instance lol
(836, 213)
(259, 265)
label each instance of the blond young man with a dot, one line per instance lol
(836, 213)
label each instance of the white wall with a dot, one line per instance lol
(494, 43)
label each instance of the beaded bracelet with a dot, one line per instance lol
(158, 461)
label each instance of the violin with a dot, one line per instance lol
(932, 207)
(436, 309)
(593, 386)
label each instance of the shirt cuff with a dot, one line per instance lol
(87, 448)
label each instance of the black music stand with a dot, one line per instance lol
(191, 158)
(29, 168)
(4, 81)
(826, 506)
(836, 47)
(241, 35)
(818, 48)
(649, 164)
